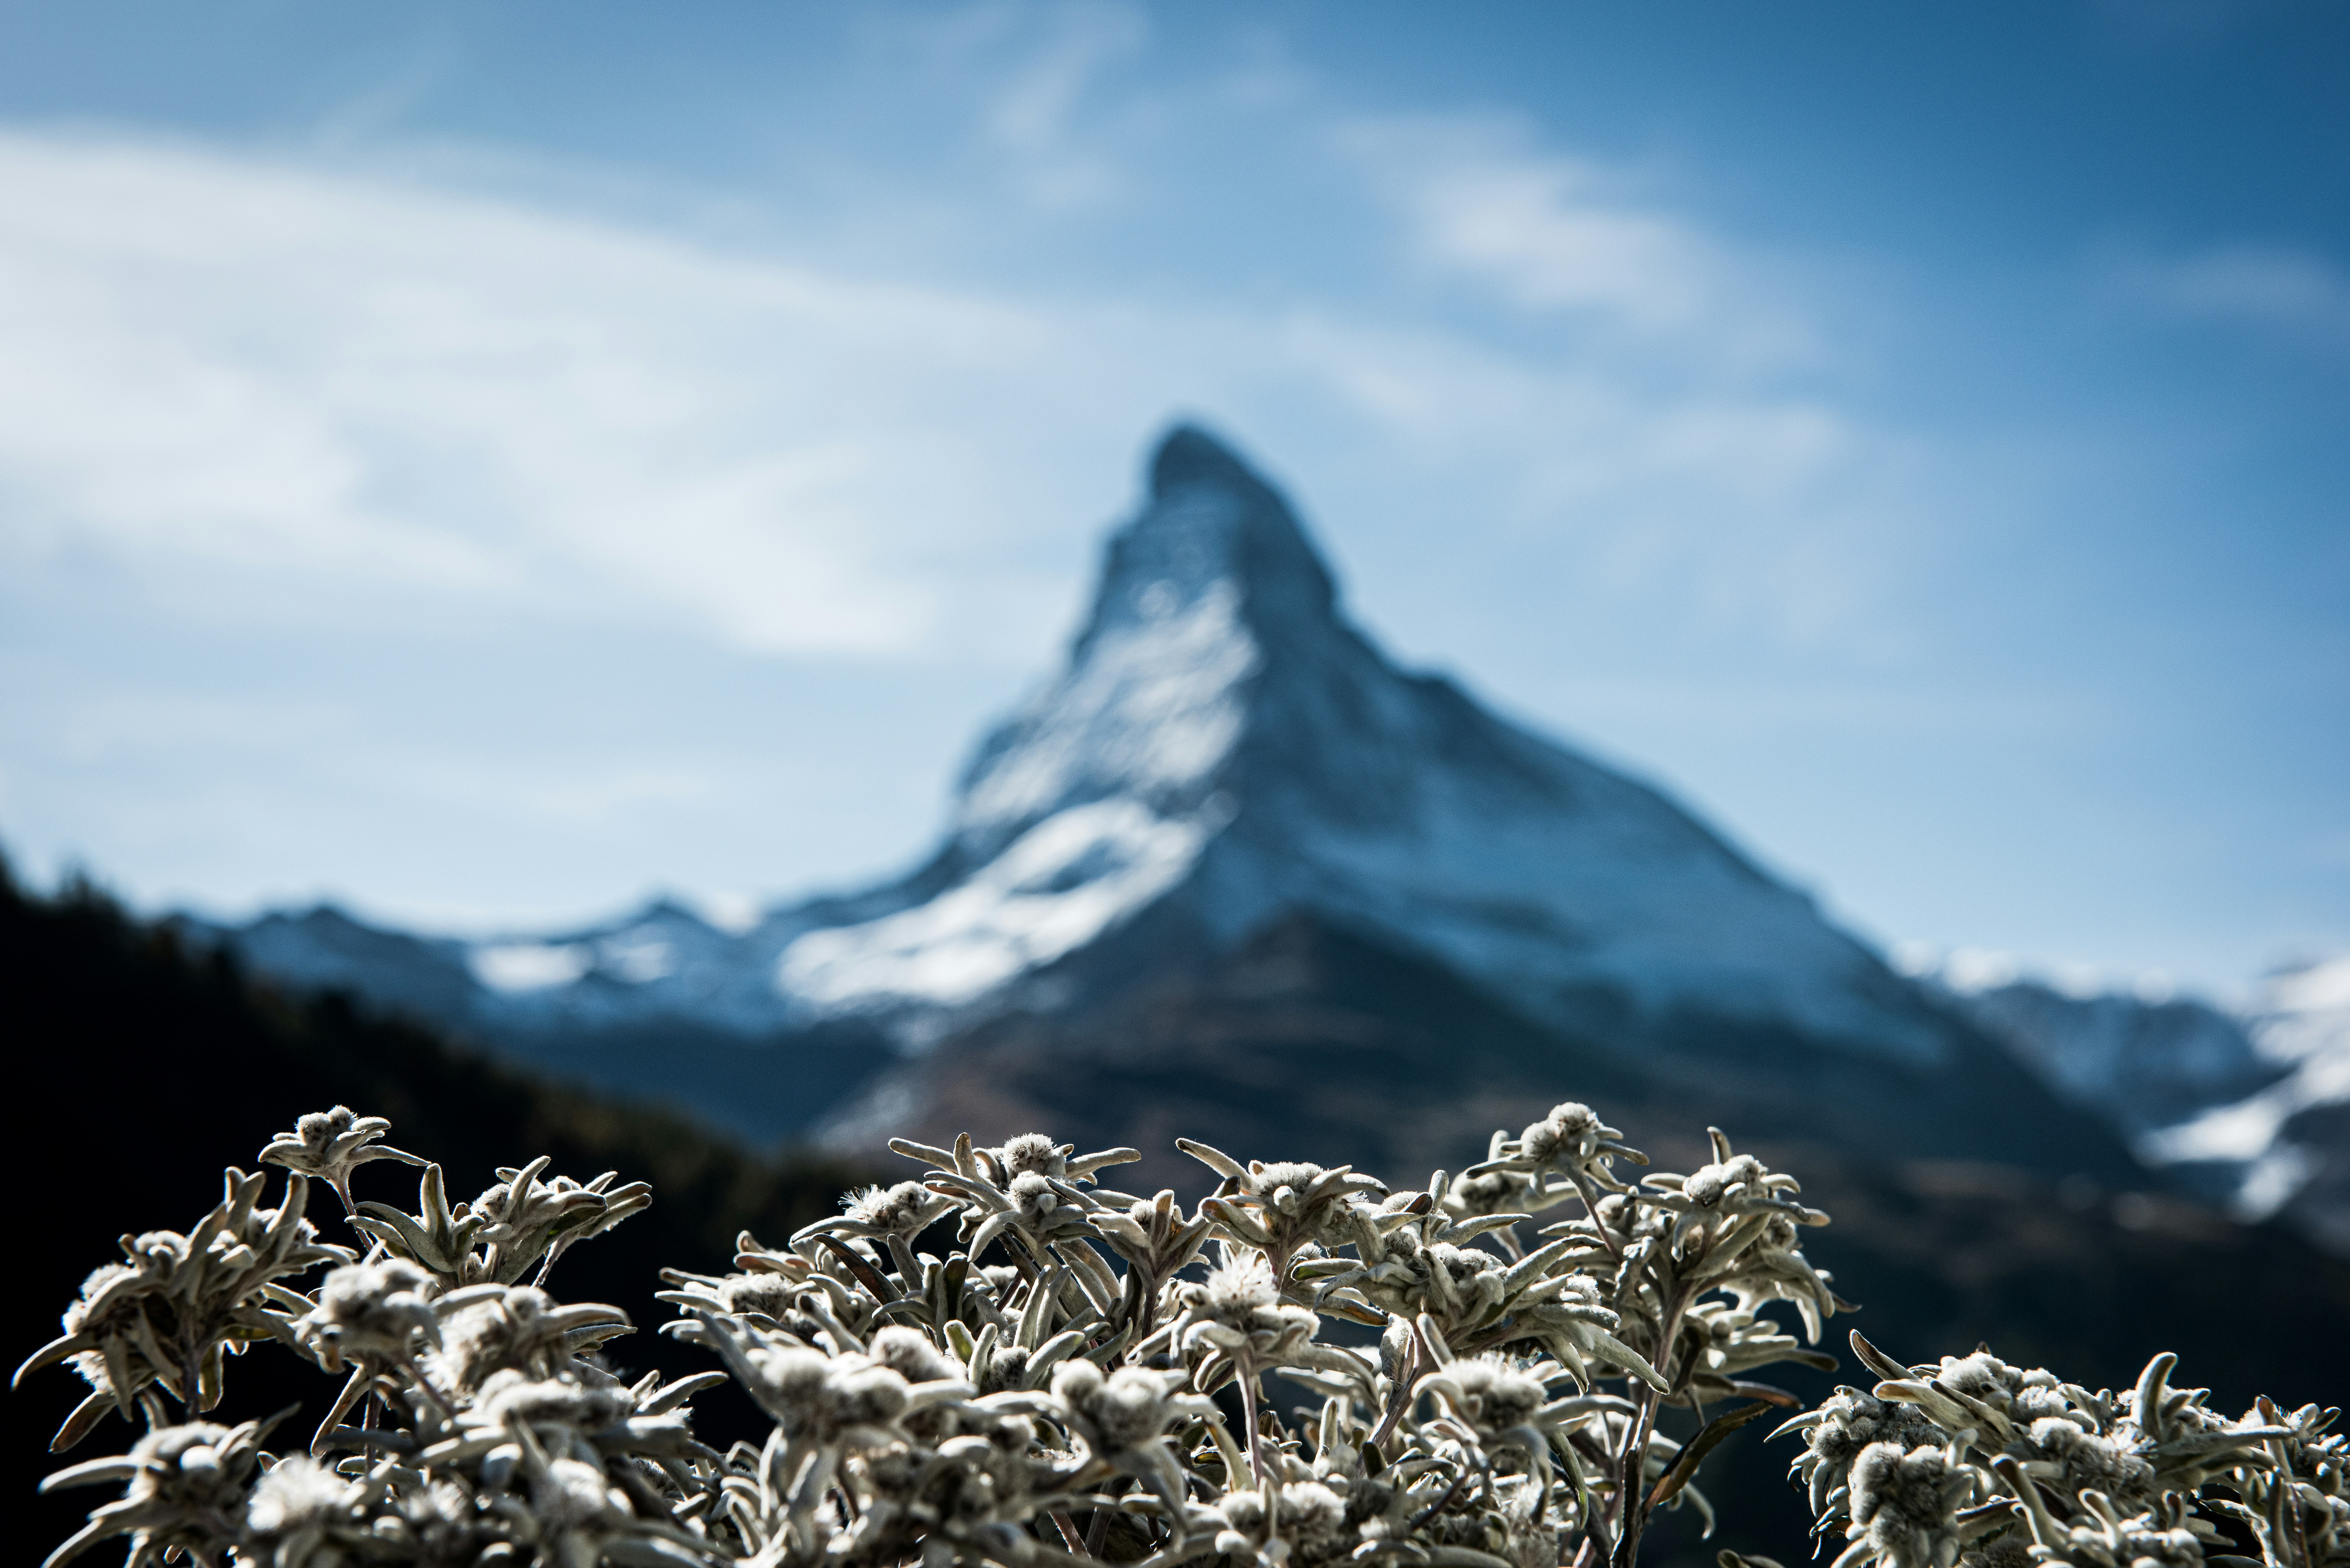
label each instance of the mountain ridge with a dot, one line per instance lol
(2248, 1107)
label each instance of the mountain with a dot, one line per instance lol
(661, 1005)
(1230, 832)
(2250, 1109)
(2142, 1064)
(1223, 747)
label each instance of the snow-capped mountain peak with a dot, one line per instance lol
(1223, 746)
(1097, 797)
(1210, 526)
(1211, 584)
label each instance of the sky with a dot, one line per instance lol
(483, 463)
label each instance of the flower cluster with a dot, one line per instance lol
(1000, 1362)
(169, 1315)
(1973, 1463)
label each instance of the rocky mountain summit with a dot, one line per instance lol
(1230, 849)
(1222, 748)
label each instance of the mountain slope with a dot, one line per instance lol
(2291, 1140)
(1312, 1042)
(2141, 1064)
(2251, 1110)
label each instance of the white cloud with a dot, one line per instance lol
(1551, 233)
(1032, 114)
(262, 385)
(2295, 293)
(1032, 81)
(265, 371)
(1540, 229)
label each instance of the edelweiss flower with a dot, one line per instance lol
(904, 1211)
(1031, 1188)
(371, 1309)
(330, 1144)
(1306, 1516)
(297, 1511)
(1727, 1206)
(497, 1328)
(849, 1398)
(1157, 1242)
(911, 1357)
(526, 1219)
(1491, 1402)
(1905, 1504)
(1416, 1262)
(184, 1490)
(1279, 1208)
(1122, 1419)
(1238, 1310)
(1844, 1424)
(1571, 1142)
(170, 1314)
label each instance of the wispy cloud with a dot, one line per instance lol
(1032, 115)
(1551, 233)
(1034, 86)
(275, 373)
(230, 376)
(2295, 293)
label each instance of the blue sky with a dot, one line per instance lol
(484, 462)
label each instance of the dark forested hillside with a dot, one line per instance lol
(136, 1071)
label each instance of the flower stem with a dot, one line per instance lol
(1632, 1517)
(1248, 1417)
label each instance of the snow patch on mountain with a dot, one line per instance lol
(2142, 1058)
(1153, 702)
(1054, 889)
(517, 967)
